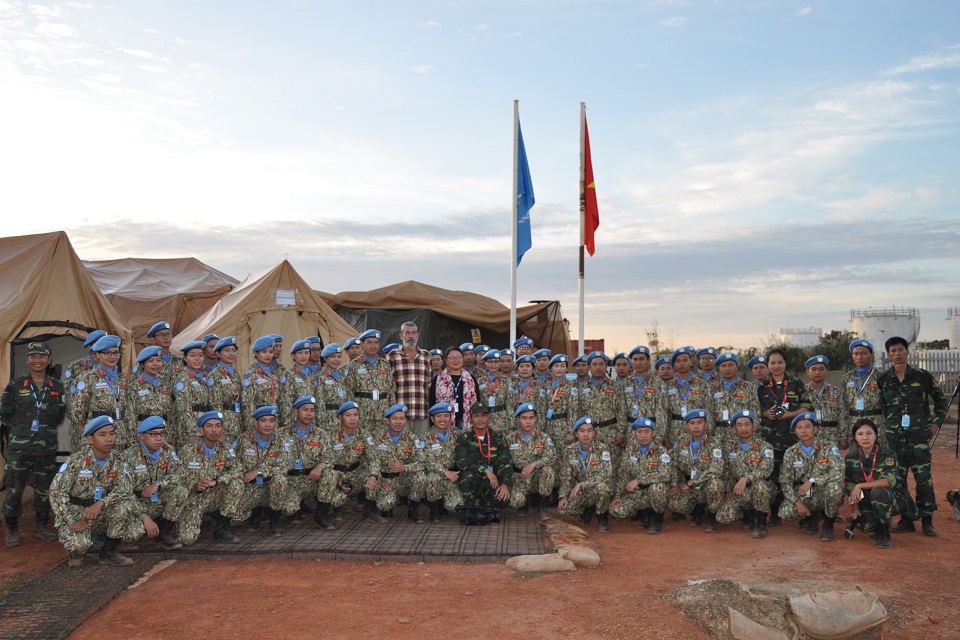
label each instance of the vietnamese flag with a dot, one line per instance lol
(591, 213)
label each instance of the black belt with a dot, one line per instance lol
(363, 394)
(829, 423)
(676, 416)
(143, 416)
(867, 414)
(229, 406)
(389, 474)
(558, 416)
(518, 469)
(607, 423)
(346, 469)
(331, 406)
(454, 469)
(202, 408)
(82, 502)
(99, 414)
(298, 472)
(497, 408)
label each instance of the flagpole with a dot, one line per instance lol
(513, 224)
(583, 209)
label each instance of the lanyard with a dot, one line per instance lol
(36, 400)
(273, 385)
(772, 384)
(260, 459)
(639, 388)
(480, 445)
(681, 384)
(869, 478)
(861, 387)
(584, 459)
(811, 389)
(525, 388)
(106, 378)
(556, 390)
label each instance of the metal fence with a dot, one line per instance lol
(944, 364)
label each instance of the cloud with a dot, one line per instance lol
(805, 11)
(668, 3)
(140, 53)
(676, 21)
(927, 63)
(484, 26)
(152, 68)
(57, 30)
(428, 24)
(42, 11)
(420, 68)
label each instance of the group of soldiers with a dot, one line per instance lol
(198, 438)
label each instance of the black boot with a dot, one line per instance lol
(110, 554)
(13, 531)
(587, 515)
(696, 518)
(811, 524)
(927, 526)
(223, 532)
(525, 509)
(434, 510)
(760, 525)
(321, 518)
(253, 523)
(413, 511)
(826, 532)
(275, 529)
(881, 535)
(40, 528)
(645, 515)
(543, 506)
(603, 522)
(904, 526)
(656, 523)
(370, 513)
(167, 538)
(774, 519)
(749, 519)
(711, 522)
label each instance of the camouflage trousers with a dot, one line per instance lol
(826, 498)
(232, 427)
(675, 432)
(709, 493)
(590, 495)
(408, 484)
(725, 436)
(23, 470)
(119, 520)
(758, 496)
(224, 498)
(439, 487)
(298, 488)
(541, 481)
(916, 458)
(475, 487)
(329, 491)
(271, 493)
(654, 496)
(171, 499)
(880, 504)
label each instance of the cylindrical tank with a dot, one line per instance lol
(805, 337)
(953, 327)
(876, 325)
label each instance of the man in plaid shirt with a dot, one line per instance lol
(412, 376)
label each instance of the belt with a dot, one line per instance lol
(298, 472)
(829, 423)
(454, 469)
(143, 416)
(363, 394)
(346, 469)
(202, 408)
(518, 469)
(607, 423)
(82, 502)
(498, 408)
(389, 474)
(559, 416)
(330, 406)
(676, 416)
(229, 406)
(867, 414)
(98, 414)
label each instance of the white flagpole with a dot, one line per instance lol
(513, 224)
(583, 214)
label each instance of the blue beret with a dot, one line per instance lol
(209, 337)
(593, 355)
(806, 415)
(440, 407)
(369, 333)
(313, 340)
(743, 413)
(680, 352)
(660, 362)
(467, 346)
(302, 400)
(860, 342)
(526, 407)
(393, 346)
(193, 344)
(620, 355)
(824, 360)
(643, 423)
(695, 413)
(262, 412)
(526, 359)
(346, 406)
(728, 356)
(707, 351)
(757, 360)
(262, 343)
(351, 342)
(640, 349)
(492, 354)
(208, 416)
(482, 347)
(150, 423)
(331, 349)
(104, 343)
(436, 352)
(300, 345)
(93, 337)
(582, 359)
(392, 410)
(276, 337)
(157, 328)
(579, 423)
(96, 424)
(229, 341)
(148, 352)
(507, 352)
(560, 357)
(542, 353)
(523, 341)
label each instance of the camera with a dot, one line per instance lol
(848, 533)
(346, 485)
(479, 516)
(779, 412)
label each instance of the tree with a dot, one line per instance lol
(836, 347)
(934, 344)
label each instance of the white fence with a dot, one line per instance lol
(944, 364)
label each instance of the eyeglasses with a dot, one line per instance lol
(110, 354)
(163, 334)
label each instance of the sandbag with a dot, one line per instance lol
(579, 555)
(545, 562)
(743, 628)
(837, 614)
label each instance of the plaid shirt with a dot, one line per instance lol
(412, 379)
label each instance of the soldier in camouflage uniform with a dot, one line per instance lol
(100, 392)
(642, 392)
(92, 494)
(279, 367)
(622, 367)
(526, 388)
(369, 382)
(352, 349)
(441, 488)
(759, 370)
(730, 394)
(191, 397)
(346, 462)
(76, 368)
(580, 368)
(586, 477)
(707, 361)
(224, 384)
(145, 395)
(486, 469)
(260, 383)
(861, 390)
(749, 490)
(602, 399)
(685, 393)
(162, 335)
(263, 471)
(331, 393)
(157, 480)
(301, 382)
(212, 477)
(305, 446)
(811, 479)
(508, 364)
(31, 409)
(698, 472)
(827, 403)
(494, 392)
(534, 459)
(542, 364)
(906, 396)
(644, 479)
(560, 400)
(210, 357)
(397, 462)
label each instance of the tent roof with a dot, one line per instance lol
(146, 279)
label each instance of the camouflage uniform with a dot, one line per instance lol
(473, 464)
(144, 400)
(305, 453)
(74, 489)
(345, 457)
(644, 398)
(225, 497)
(862, 397)
(909, 425)
(779, 433)
(409, 451)
(98, 395)
(371, 386)
(191, 399)
(653, 470)
(605, 403)
(536, 449)
(726, 402)
(330, 394)
(756, 465)
(561, 405)
(681, 398)
(878, 505)
(173, 366)
(825, 466)
(74, 369)
(272, 462)
(224, 389)
(298, 383)
(169, 500)
(831, 412)
(595, 473)
(528, 392)
(498, 397)
(440, 456)
(260, 388)
(31, 453)
(705, 467)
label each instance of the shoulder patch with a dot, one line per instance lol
(665, 458)
(211, 382)
(67, 374)
(283, 379)
(418, 443)
(717, 453)
(246, 382)
(81, 385)
(63, 468)
(768, 453)
(835, 450)
(889, 462)
(605, 456)
(549, 441)
(178, 386)
(370, 440)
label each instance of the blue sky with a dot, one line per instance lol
(758, 164)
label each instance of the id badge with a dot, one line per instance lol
(549, 414)
(819, 415)
(693, 474)
(259, 480)
(98, 493)
(859, 405)
(298, 464)
(376, 394)
(636, 410)
(155, 496)
(683, 409)
(786, 406)
(905, 420)
(456, 407)
(340, 392)
(35, 426)
(726, 414)
(236, 407)
(491, 402)
(116, 412)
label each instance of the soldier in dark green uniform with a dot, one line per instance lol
(906, 394)
(486, 469)
(32, 408)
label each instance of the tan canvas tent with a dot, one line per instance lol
(147, 291)
(446, 317)
(277, 301)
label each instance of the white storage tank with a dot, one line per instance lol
(805, 337)
(953, 327)
(876, 325)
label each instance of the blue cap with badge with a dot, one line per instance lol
(157, 328)
(331, 349)
(93, 337)
(151, 423)
(440, 407)
(262, 343)
(265, 411)
(96, 424)
(104, 343)
(148, 352)
(208, 416)
(346, 406)
(228, 341)
(526, 407)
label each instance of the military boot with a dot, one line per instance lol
(587, 515)
(826, 532)
(603, 522)
(760, 525)
(321, 518)
(222, 532)
(75, 560)
(711, 522)
(656, 523)
(167, 536)
(881, 535)
(927, 526)
(413, 511)
(13, 532)
(645, 518)
(40, 529)
(253, 522)
(370, 513)
(275, 515)
(434, 510)
(110, 553)
(904, 526)
(543, 506)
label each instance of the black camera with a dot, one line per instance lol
(479, 516)
(779, 412)
(347, 484)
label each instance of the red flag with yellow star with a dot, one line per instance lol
(591, 213)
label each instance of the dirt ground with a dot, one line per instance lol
(628, 596)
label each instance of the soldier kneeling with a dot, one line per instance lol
(697, 472)
(586, 480)
(485, 470)
(643, 481)
(749, 489)
(534, 461)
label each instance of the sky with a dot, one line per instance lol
(758, 164)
